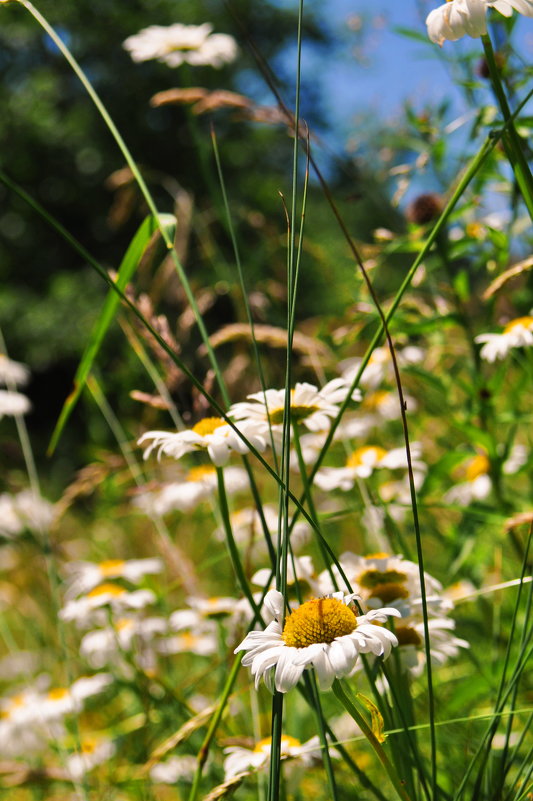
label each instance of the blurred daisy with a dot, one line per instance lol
(362, 462)
(211, 434)
(201, 643)
(13, 403)
(516, 334)
(241, 760)
(84, 576)
(102, 646)
(178, 44)
(299, 570)
(458, 18)
(197, 485)
(82, 610)
(324, 633)
(380, 367)
(309, 405)
(247, 528)
(384, 580)
(386, 405)
(94, 752)
(174, 769)
(36, 707)
(22, 511)
(477, 484)
(411, 643)
(13, 372)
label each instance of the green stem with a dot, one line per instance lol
(352, 710)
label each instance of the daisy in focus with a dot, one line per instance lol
(324, 633)
(211, 434)
(178, 44)
(458, 18)
(516, 334)
(312, 407)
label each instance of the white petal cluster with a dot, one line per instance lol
(85, 576)
(380, 367)
(216, 437)
(178, 44)
(281, 665)
(516, 334)
(458, 18)
(194, 487)
(13, 373)
(13, 403)
(22, 511)
(240, 760)
(311, 406)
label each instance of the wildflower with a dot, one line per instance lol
(477, 484)
(240, 759)
(362, 462)
(411, 643)
(203, 643)
(458, 18)
(380, 366)
(178, 44)
(13, 403)
(103, 646)
(382, 579)
(197, 485)
(84, 576)
(93, 752)
(174, 769)
(517, 334)
(83, 609)
(212, 434)
(308, 405)
(323, 633)
(12, 372)
(25, 510)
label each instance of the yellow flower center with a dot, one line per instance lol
(287, 742)
(378, 555)
(208, 425)
(407, 636)
(298, 413)
(200, 472)
(318, 620)
(371, 579)
(57, 694)
(365, 455)
(387, 593)
(106, 589)
(111, 567)
(375, 400)
(520, 322)
(478, 466)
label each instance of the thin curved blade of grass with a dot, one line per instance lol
(127, 268)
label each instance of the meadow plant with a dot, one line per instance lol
(303, 566)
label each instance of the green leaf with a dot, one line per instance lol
(126, 270)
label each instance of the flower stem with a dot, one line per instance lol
(352, 710)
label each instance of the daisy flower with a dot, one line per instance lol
(380, 367)
(458, 18)
(324, 633)
(212, 434)
(178, 44)
(12, 372)
(242, 760)
(85, 610)
(93, 752)
(25, 510)
(174, 769)
(84, 576)
(309, 405)
(197, 485)
(411, 643)
(516, 334)
(102, 646)
(362, 462)
(13, 403)
(382, 579)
